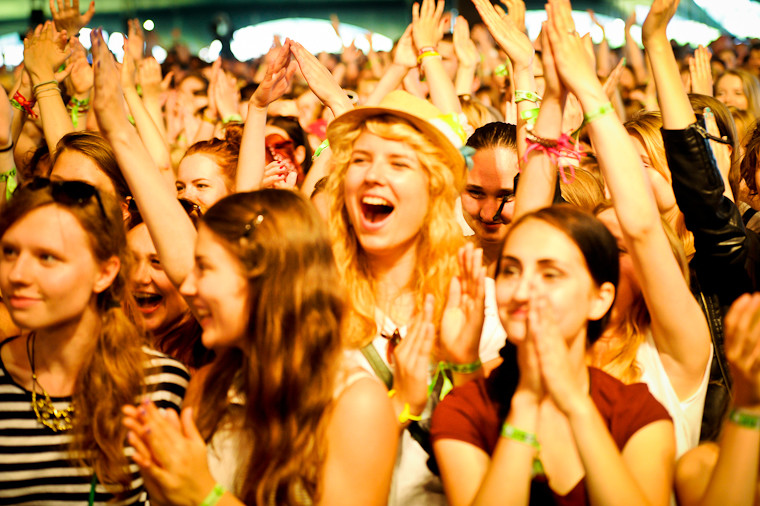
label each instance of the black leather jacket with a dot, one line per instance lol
(725, 264)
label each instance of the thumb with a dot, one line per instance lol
(189, 429)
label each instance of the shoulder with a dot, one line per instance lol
(468, 414)
(625, 408)
(166, 379)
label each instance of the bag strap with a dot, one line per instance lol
(381, 370)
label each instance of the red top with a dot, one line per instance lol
(475, 412)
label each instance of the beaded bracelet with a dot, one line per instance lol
(214, 496)
(598, 113)
(744, 419)
(543, 141)
(524, 95)
(425, 55)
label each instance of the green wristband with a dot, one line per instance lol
(465, 368)
(213, 497)
(231, 118)
(524, 95)
(744, 419)
(510, 432)
(598, 113)
(324, 145)
(501, 71)
(530, 115)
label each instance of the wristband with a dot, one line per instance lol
(501, 71)
(530, 116)
(21, 103)
(214, 496)
(528, 438)
(231, 118)
(325, 144)
(426, 49)
(524, 95)
(207, 119)
(598, 113)
(407, 416)
(52, 81)
(465, 368)
(745, 419)
(425, 55)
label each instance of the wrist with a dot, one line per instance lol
(525, 399)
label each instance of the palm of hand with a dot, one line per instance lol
(660, 14)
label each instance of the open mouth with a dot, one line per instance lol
(375, 209)
(148, 302)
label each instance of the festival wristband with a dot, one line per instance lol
(598, 113)
(40, 85)
(501, 71)
(510, 432)
(231, 118)
(465, 368)
(745, 419)
(325, 144)
(425, 55)
(426, 49)
(530, 115)
(214, 496)
(407, 416)
(526, 96)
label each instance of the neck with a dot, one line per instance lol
(491, 252)
(392, 273)
(61, 351)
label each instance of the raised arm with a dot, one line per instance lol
(679, 327)
(67, 17)
(467, 55)
(404, 59)
(276, 82)
(169, 226)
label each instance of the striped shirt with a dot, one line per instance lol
(34, 461)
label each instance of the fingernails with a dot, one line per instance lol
(708, 111)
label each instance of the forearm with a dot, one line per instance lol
(53, 114)
(509, 474)
(636, 58)
(149, 133)
(252, 157)
(153, 105)
(674, 102)
(442, 92)
(391, 80)
(319, 169)
(464, 79)
(524, 80)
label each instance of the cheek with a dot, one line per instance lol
(470, 205)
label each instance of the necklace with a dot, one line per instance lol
(47, 414)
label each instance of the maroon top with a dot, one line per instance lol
(474, 413)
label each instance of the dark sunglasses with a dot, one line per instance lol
(192, 209)
(69, 193)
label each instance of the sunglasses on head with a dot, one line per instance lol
(192, 209)
(69, 193)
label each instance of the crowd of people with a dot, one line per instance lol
(315, 279)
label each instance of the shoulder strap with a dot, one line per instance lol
(381, 370)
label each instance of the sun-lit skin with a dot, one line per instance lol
(49, 277)
(628, 286)
(200, 180)
(729, 90)
(218, 292)
(195, 89)
(541, 261)
(490, 180)
(386, 194)
(159, 302)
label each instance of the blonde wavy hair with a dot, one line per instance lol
(646, 127)
(438, 240)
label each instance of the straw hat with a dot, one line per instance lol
(426, 117)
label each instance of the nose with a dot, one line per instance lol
(523, 288)
(489, 210)
(142, 274)
(376, 172)
(20, 270)
(189, 287)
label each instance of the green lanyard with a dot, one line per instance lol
(93, 483)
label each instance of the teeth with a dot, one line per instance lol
(375, 201)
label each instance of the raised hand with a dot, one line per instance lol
(516, 12)
(135, 42)
(507, 35)
(44, 51)
(277, 79)
(320, 80)
(411, 360)
(462, 321)
(660, 14)
(278, 174)
(67, 17)
(570, 52)
(149, 76)
(108, 99)
(554, 86)
(612, 81)
(226, 93)
(742, 324)
(81, 76)
(464, 47)
(595, 20)
(701, 72)
(405, 55)
(427, 23)
(630, 21)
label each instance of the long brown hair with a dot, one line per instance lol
(291, 349)
(112, 375)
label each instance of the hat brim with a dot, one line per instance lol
(361, 114)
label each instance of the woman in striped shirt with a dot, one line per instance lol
(64, 266)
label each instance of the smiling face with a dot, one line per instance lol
(49, 277)
(729, 90)
(490, 180)
(159, 302)
(540, 260)
(200, 180)
(218, 292)
(386, 195)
